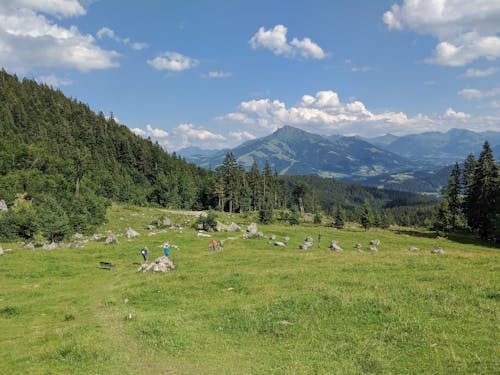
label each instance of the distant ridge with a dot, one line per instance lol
(290, 150)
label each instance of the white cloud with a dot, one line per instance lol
(29, 39)
(325, 113)
(138, 131)
(109, 33)
(218, 74)
(137, 46)
(157, 133)
(467, 30)
(173, 61)
(60, 8)
(54, 81)
(475, 73)
(450, 112)
(275, 40)
(242, 135)
(478, 94)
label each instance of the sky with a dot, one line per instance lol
(216, 73)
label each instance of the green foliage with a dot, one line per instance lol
(366, 216)
(266, 213)
(318, 218)
(294, 217)
(208, 222)
(443, 223)
(51, 219)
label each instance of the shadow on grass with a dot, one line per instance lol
(415, 233)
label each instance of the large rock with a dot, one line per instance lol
(29, 246)
(279, 243)
(131, 233)
(307, 244)
(161, 264)
(165, 222)
(3, 206)
(375, 242)
(1, 250)
(252, 232)
(233, 227)
(111, 239)
(373, 249)
(335, 247)
(220, 227)
(51, 246)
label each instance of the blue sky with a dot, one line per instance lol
(214, 74)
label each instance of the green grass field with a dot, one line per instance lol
(252, 308)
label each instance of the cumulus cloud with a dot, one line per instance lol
(106, 32)
(54, 81)
(242, 135)
(275, 40)
(326, 113)
(173, 61)
(478, 73)
(29, 39)
(478, 94)
(467, 30)
(155, 132)
(217, 74)
(186, 134)
(450, 112)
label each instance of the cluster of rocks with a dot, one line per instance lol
(252, 232)
(233, 227)
(161, 264)
(308, 242)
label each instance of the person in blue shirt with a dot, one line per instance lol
(166, 248)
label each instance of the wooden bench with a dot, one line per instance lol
(106, 265)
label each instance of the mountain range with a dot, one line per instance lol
(418, 162)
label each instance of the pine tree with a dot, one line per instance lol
(453, 196)
(339, 220)
(482, 214)
(366, 217)
(443, 221)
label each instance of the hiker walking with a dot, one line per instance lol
(213, 245)
(145, 253)
(166, 248)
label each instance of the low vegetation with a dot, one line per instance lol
(251, 308)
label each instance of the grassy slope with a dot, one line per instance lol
(252, 308)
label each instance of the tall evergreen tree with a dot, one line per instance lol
(366, 217)
(482, 214)
(453, 196)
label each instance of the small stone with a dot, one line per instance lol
(373, 249)
(280, 244)
(375, 242)
(413, 248)
(131, 233)
(438, 250)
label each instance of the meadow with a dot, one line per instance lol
(251, 308)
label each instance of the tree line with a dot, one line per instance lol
(471, 200)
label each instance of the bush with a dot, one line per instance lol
(207, 223)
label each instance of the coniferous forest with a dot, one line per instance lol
(61, 166)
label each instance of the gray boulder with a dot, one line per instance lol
(335, 247)
(438, 250)
(373, 249)
(1, 250)
(233, 227)
(161, 264)
(3, 206)
(29, 246)
(280, 244)
(413, 248)
(375, 242)
(358, 246)
(78, 236)
(51, 246)
(286, 238)
(165, 222)
(130, 233)
(252, 232)
(111, 239)
(273, 237)
(151, 227)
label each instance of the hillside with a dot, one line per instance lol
(72, 161)
(436, 148)
(293, 151)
